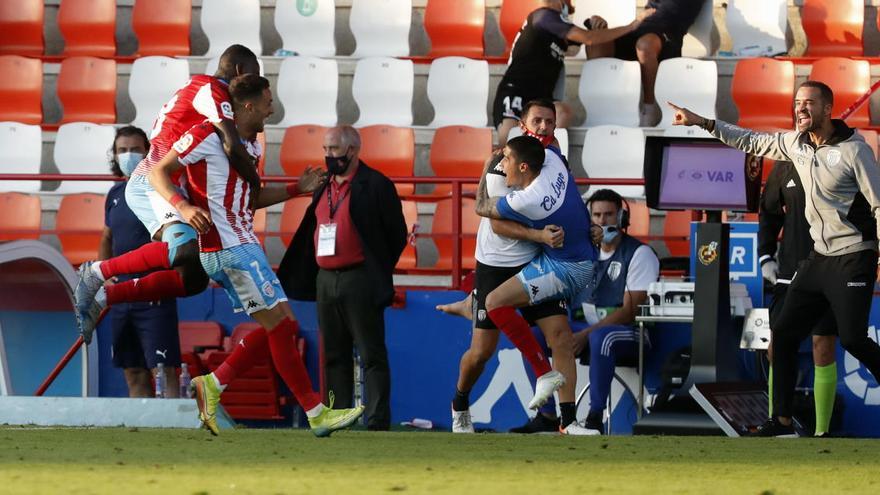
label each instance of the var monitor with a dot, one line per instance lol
(700, 174)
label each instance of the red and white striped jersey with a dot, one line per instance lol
(213, 185)
(203, 98)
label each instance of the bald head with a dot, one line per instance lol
(345, 136)
(235, 61)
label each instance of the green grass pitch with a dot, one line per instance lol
(249, 461)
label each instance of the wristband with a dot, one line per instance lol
(292, 189)
(176, 199)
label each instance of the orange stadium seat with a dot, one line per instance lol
(301, 146)
(162, 27)
(677, 230)
(197, 340)
(19, 214)
(291, 216)
(20, 96)
(79, 223)
(88, 27)
(470, 222)
(833, 27)
(639, 219)
(849, 79)
(87, 90)
(459, 151)
(390, 150)
(455, 27)
(21, 28)
(513, 15)
(407, 259)
(763, 91)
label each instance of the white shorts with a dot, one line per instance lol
(148, 205)
(246, 276)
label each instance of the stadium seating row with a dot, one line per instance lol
(382, 27)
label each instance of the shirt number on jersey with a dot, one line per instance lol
(161, 118)
(512, 107)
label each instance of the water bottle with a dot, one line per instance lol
(184, 382)
(160, 381)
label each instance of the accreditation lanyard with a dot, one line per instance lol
(327, 231)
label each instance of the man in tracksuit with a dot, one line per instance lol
(841, 180)
(782, 210)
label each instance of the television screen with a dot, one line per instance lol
(700, 174)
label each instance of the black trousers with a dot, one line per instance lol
(347, 318)
(845, 284)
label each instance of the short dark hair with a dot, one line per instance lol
(125, 131)
(824, 90)
(608, 195)
(247, 87)
(236, 56)
(528, 150)
(541, 103)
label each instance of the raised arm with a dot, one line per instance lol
(601, 34)
(310, 180)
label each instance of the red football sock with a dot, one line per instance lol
(149, 257)
(518, 331)
(247, 352)
(290, 365)
(154, 287)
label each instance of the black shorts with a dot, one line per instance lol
(509, 102)
(144, 334)
(625, 46)
(827, 325)
(487, 278)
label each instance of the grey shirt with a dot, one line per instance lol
(841, 180)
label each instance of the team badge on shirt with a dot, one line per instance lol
(268, 290)
(833, 157)
(614, 269)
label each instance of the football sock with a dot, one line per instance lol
(289, 364)
(518, 331)
(567, 410)
(244, 355)
(149, 257)
(154, 287)
(461, 401)
(824, 391)
(770, 392)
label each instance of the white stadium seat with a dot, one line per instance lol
(616, 13)
(81, 148)
(560, 134)
(757, 27)
(610, 90)
(383, 90)
(687, 82)
(21, 148)
(381, 27)
(230, 22)
(458, 88)
(307, 89)
(612, 151)
(307, 26)
(152, 83)
(698, 40)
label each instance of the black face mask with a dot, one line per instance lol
(337, 165)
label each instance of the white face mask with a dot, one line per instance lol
(565, 12)
(128, 161)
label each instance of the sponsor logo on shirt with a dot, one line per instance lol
(856, 284)
(252, 304)
(790, 183)
(558, 189)
(183, 143)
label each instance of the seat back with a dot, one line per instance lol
(458, 88)
(610, 90)
(79, 223)
(470, 222)
(87, 90)
(512, 17)
(228, 22)
(81, 148)
(763, 89)
(677, 226)
(381, 27)
(612, 151)
(850, 79)
(692, 82)
(459, 151)
(757, 26)
(199, 334)
(639, 219)
(455, 27)
(697, 42)
(292, 215)
(153, 82)
(19, 213)
(833, 27)
(21, 28)
(21, 96)
(162, 27)
(21, 150)
(408, 259)
(307, 27)
(302, 146)
(383, 90)
(390, 150)
(307, 89)
(88, 27)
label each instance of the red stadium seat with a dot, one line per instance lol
(639, 219)
(677, 230)
(459, 151)
(87, 90)
(88, 27)
(513, 15)
(455, 27)
(470, 222)
(850, 79)
(391, 150)
(162, 27)
(20, 96)
(301, 146)
(79, 223)
(763, 90)
(833, 27)
(408, 259)
(198, 339)
(21, 28)
(291, 216)
(19, 214)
